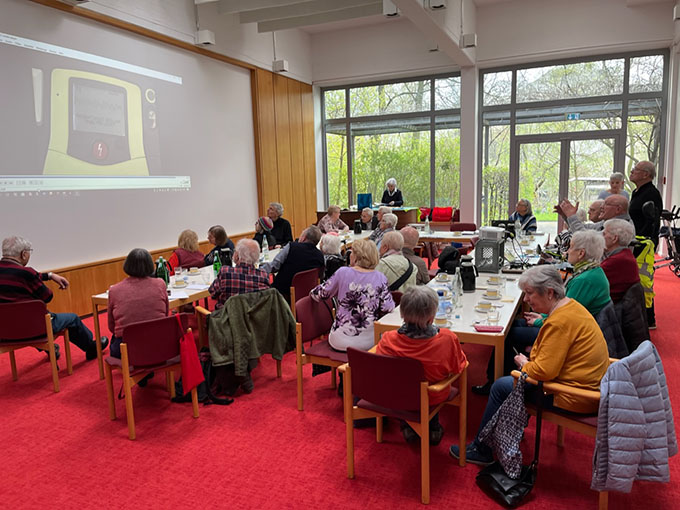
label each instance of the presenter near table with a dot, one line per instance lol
(177, 298)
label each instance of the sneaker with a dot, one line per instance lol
(143, 382)
(436, 436)
(472, 455)
(409, 434)
(92, 351)
(57, 352)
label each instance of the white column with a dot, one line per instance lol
(469, 183)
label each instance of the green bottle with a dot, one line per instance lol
(217, 263)
(162, 271)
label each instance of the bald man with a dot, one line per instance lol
(614, 206)
(411, 237)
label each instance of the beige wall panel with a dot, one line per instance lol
(297, 155)
(308, 146)
(286, 195)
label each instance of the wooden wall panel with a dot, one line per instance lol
(297, 154)
(307, 101)
(265, 139)
(285, 180)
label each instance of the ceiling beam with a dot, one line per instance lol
(232, 6)
(436, 32)
(360, 11)
(305, 8)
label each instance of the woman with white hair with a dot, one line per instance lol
(387, 223)
(437, 349)
(619, 263)
(392, 196)
(525, 215)
(616, 183)
(570, 349)
(333, 259)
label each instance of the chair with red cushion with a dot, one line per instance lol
(314, 321)
(148, 346)
(28, 324)
(396, 387)
(459, 227)
(303, 282)
(396, 296)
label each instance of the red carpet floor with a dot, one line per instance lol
(62, 451)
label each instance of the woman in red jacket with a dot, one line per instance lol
(187, 253)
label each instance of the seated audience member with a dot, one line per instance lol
(18, 282)
(387, 223)
(619, 263)
(295, 257)
(570, 349)
(331, 222)
(588, 285)
(595, 211)
(187, 253)
(411, 237)
(362, 298)
(400, 272)
(263, 228)
(437, 349)
(616, 182)
(368, 220)
(392, 196)
(140, 297)
(281, 227)
(524, 214)
(217, 236)
(333, 259)
(243, 277)
(614, 206)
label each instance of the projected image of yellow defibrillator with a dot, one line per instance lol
(96, 126)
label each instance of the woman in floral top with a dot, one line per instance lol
(362, 296)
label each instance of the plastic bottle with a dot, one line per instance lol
(265, 248)
(458, 288)
(427, 226)
(518, 228)
(217, 263)
(162, 270)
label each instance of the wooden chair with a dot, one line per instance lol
(148, 346)
(396, 387)
(585, 424)
(31, 320)
(314, 321)
(302, 284)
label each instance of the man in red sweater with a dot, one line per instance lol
(619, 263)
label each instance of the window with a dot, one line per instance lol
(408, 130)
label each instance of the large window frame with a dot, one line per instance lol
(626, 97)
(448, 119)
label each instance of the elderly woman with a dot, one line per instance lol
(187, 253)
(263, 230)
(392, 196)
(332, 257)
(438, 350)
(570, 349)
(139, 297)
(362, 297)
(588, 285)
(616, 182)
(523, 213)
(387, 223)
(368, 220)
(619, 264)
(281, 229)
(223, 246)
(331, 222)
(401, 273)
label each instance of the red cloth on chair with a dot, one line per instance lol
(192, 373)
(442, 213)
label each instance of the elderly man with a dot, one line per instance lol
(619, 263)
(18, 282)
(368, 220)
(281, 229)
(411, 237)
(642, 176)
(243, 277)
(387, 224)
(615, 206)
(595, 210)
(400, 272)
(295, 257)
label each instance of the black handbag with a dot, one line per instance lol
(507, 491)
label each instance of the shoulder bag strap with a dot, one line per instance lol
(402, 279)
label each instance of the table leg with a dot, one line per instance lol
(499, 355)
(97, 339)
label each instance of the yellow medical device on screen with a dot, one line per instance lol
(96, 126)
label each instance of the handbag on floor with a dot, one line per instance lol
(494, 481)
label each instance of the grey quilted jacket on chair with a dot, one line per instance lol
(635, 430)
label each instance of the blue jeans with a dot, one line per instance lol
(520, 336)
(78, 333)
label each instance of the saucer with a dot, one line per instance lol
(491, 298)
(481, 310)
(499, 282)
(179, 285)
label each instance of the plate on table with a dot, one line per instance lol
(497, 282)
(482, 310)
(179, 285)
(491, 298)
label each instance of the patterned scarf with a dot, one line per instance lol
(583, 266)
(416, 332)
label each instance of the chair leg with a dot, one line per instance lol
(462, 419)
(379, 429)
(13, 363)
(129, 411)
(348, 405)
(53, 363)
(424, 444)
(604, 501)
(560, 435)
(278, 368)
(171, 383)
(194, 401)
(67, 350)
(334, 376)
(109, 391)
(299, 384)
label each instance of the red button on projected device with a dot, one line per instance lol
(100, 150)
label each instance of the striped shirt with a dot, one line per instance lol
(240, 279)
(20, 283)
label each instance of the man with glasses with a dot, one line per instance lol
(18, 282)
(642, 176)
(614, 206)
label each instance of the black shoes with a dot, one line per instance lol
(57, 352)
(483, 390)
(92, 351)
(143, 382)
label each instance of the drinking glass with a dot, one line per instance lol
(493, 316)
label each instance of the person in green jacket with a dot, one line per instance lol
(588, 285)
